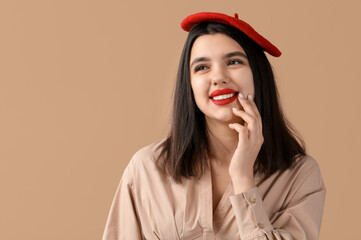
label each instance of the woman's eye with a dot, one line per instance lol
(232, 62)
(199, 68)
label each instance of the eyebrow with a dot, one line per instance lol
(228, 55)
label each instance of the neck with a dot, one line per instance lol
(222, 140)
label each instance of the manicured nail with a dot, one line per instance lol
(241, 95)
(250, 97)
(234, 109)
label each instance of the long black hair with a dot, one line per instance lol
(185, 150)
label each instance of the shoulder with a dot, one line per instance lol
(303, 179)
(305, 163)
(306, 171)
(303, 174)
(147, 154)
(142, 164)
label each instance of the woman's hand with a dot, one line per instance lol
(249, 145)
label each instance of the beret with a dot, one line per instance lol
(189, 22)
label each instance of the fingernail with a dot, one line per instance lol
(241, 95)
(234, 109)
(250, 97)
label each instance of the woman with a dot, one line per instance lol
(231, 167)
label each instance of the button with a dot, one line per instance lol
(260, 225)
(252, 200)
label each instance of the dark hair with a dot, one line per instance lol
(184, 152)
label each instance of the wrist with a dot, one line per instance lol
(240, 175)
(242, 184)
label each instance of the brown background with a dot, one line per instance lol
(84, 84)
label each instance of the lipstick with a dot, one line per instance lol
(223, 96)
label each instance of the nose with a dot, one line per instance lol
(219, 76)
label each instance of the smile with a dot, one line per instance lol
(223, 96)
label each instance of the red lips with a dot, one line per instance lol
(224, 91)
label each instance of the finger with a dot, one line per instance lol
(251, 123)
(248, 118)
(253, 104)
(245, 103)
(255, 108)
(242, 131)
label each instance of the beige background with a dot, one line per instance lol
(84, 84)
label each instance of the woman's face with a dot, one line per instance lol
(219, 70)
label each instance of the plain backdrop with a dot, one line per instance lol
(85, 84)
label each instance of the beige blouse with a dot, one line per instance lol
(287, 205)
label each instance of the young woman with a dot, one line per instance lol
(231, 167)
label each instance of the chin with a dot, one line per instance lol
(226, 118)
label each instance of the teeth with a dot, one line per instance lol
(225, 96)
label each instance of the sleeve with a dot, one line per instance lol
(300, 220)
(123, 221)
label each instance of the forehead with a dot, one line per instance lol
(217, 44)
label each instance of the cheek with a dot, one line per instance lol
(199, 87)
(246, 82)
(200, 92)
(250, 86)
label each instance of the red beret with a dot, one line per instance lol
(194, 19)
